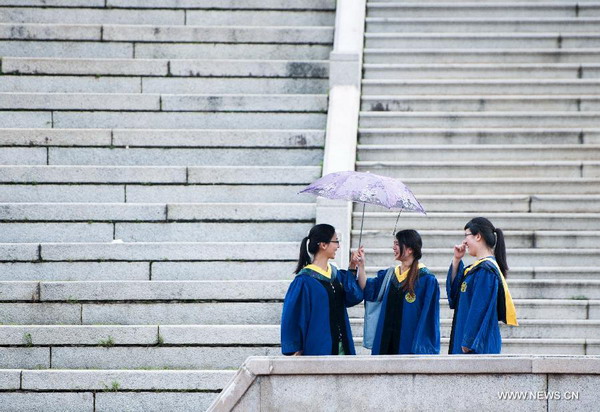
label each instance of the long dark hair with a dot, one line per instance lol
(410, 239)
(493, 237)
(321, 233)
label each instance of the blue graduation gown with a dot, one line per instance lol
(306, 322)
(475, 322)
(419, 319)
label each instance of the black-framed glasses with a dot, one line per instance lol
(335, 241)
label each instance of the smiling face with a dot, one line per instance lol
(397, 251)
(472, 242)
(330, 248)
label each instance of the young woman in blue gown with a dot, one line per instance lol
(315, 320)
(478, 293)
(409, 320)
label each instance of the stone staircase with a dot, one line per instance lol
(151, 152)
(491, 108)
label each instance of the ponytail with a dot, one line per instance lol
(322, 233)
(411, 239)
(493, 238)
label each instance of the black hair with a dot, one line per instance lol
(493, 237)
(321, 233)
(410, 238)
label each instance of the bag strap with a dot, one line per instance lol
(385, 284)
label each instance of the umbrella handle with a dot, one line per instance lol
(396, 224)
(362, 219)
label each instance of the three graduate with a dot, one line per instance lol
(315, 318)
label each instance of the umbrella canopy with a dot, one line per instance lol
(366, 188)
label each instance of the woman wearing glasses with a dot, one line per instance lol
(478, 293)
(409, 318)
(315, 320)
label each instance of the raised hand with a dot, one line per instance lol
(459, 251)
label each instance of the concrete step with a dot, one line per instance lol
(485, 152)
(57, 49)
(488, 56)
(465, 9)
(473, 103)
(514, 239)
(155, 157)
(539, 272)
(518, 257)
(481, 169)
(461, 120)
(503, 40)
(480, 87)
(158, 67)
(261, 17)
(165, 102)
(191, 120)
(131, 193)
(153, 85)
(502, 186)
(64, 212)
(504, 220)
(481, 71)
(480, 25)
(504, 203)
(226, 5)
(163, 138)
(479, 136)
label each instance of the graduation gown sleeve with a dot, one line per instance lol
(373, 285)
(427, 330)
(453, 287)
(353, 292)
(482, 315)
(295, 317)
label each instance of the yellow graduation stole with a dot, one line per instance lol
(402, 276)
(326, 273)
(511, 312)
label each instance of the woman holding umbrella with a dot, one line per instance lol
(315, 320)
(409, 318)
(478, 293)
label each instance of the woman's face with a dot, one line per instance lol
(472, 242)
(397, 255)
(329, 249)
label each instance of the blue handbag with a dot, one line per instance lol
(372, 310)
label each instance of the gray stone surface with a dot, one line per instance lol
(55, 232)
(168, 251)
(27, 291)
(10, 379)
(61, 193)
(77, 271)
(221, 270)
(250, 68)
(155, 357)
(254, 174)
(50, 3)
(244, 103)
(156, 157)
(231, 51)
(49, 32)
(79, 101)
(158, 290)
(251, 313)
(219, 138)
(51, 402)
(41, 313)
(159, 120)
(69, 84)
(57, 49)
(92, 174)
(246, 211)
(54, 137)
(222, 193)
(18, 252)
(25, 119)
(224, 4)
(262, 18)
(205, 34)
(78, 335)
(184, 401)
(215, 232)
(82, 211)
(236, 85)
(221, 334)
(127, 380)
(22, 156)
(26, 358)
(90, 16)
(577, 392)
(85, 66)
